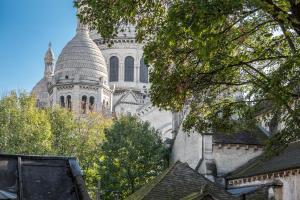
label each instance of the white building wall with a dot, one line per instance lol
(187, 148)
(125, 45)
(161, 120)
(121, 51)
(126, 109)
(230, 157)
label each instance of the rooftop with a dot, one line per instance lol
(254, 136)
(286, 160)
(178, 182)
(41, 177)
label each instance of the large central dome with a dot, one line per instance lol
(80, 60)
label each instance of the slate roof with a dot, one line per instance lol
(179, 182)
(41, 177)
(288, 159)
(200, 196)
(254, 136)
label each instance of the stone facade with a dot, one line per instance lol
(209, 158)
(229, 157)
(132, 97)
(89, 76)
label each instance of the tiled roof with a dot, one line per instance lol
(288, 159)
(178, 182)
(254, 136)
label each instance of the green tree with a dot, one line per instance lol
(24, 129)
(91, 136)
(132, 154)
(205, 52)
(80, 137)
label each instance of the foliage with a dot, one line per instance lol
(79, 137)
(25, 129)
(222, 57)
(133, 154)
(22, 123)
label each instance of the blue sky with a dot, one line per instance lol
(26, 27)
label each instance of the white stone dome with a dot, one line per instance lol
(80, 60)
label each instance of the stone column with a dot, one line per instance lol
(121, 70)
(137, 72)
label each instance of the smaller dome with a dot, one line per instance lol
(81, 59)
(40, 90)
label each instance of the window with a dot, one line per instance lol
(69, 102)
(83, 104)
(62, 101)
(129, 68)
(114, 69)
(92, 103)
(143, 71)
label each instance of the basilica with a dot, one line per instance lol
(90, 76)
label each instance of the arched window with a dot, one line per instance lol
(69, 102)
(113, 69)
(62, 101)
(143, 71)
(83, 104)
(129, 68)
(92, 103)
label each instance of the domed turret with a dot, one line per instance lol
(81, 60)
